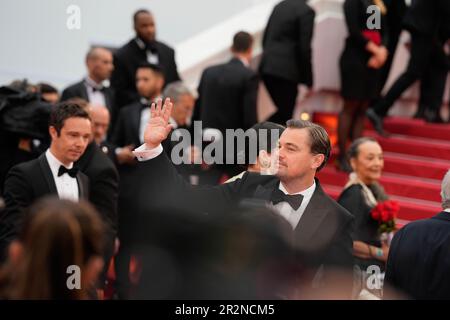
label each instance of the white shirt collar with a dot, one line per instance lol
(244, 61)
(94, 84)
(54, 163)
(447, 210)
(305, 193)
(140, 43)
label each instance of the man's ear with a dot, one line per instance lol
(15, 252)
(318, 159)
(353, 163)
(52, 132)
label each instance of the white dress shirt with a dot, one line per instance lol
(285, 210)
(66, 186)
(96, 97)
(143, 153)
(151, 57)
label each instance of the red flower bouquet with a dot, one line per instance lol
(385, 214)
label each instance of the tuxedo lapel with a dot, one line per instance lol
(83, 187)
(312, 217)
(83, 91)
(47, 173)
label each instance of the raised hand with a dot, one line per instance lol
(158, 127)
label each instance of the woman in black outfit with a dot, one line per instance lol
(361, 194)
(360, 67)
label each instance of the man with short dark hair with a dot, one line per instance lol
(142, 48)
(227, 92)
(321, 227)
(52, 173)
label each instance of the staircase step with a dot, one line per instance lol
(413, 145)
(394, 184)
(410, 209)
(417, 128)
(415, 166)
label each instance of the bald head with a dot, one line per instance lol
(100, 118)
(99, 62)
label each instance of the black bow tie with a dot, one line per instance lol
(71, 172)
(151, 46)
(99, 89)
(294, 200)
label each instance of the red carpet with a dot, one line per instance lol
(417, 155)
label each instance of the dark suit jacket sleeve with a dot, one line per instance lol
(250, 96)
(104, 194)
(198, 103)
(352, 12)
(341, 252)
(306, 27)
(162, 186)
(18, 195)
(390, 277)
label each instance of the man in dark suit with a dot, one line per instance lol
(99, 63)
(52, 173)
(128, 134)
(143, 48)
(321, 227)
(227, 92)
(286, 58)
(418, 261)
(103, 182)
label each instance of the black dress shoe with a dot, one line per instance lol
(420, 114)
(376, 121)
(433, 117)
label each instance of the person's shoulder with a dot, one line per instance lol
(25, 170)
(353, 190)
(73, 86)
(125, 49)
(164, 46)
(334, 206)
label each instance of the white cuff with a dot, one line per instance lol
(144, 153)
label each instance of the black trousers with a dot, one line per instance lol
(432, 85)
(284, 95)
(419, 61)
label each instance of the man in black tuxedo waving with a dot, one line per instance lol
(321, 227)
(52, 173)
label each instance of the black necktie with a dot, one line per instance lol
(294, 200)
(71, 172)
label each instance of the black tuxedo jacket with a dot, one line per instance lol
(287, 42)
(79, 90)
(126, 61)
(322, 237)
(103, 184)
(227, 96)
(126, 131)
(25, 183)
(418, 262)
